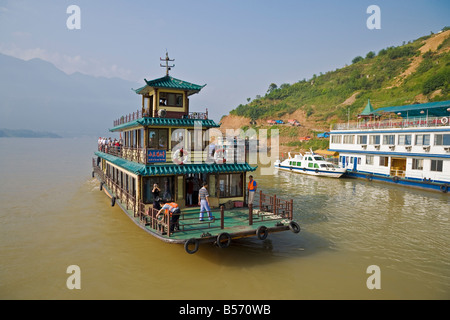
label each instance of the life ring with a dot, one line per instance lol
(113, 201)
(262, 232)
(317, 170)
(444, 188)
(178, 159)
(223, 240)
(190, 242)
(294, 227)
(219, 156)
(395, 179)
(444, 120)
(304, 169)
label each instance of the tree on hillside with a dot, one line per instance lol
(370, 55)
(272, 87)
(357, 59)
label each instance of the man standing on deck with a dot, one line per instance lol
(203, 201)
(252, 185)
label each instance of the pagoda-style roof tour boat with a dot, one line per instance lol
(165, 144)
(406, 145)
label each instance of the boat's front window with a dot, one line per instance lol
(318, 158)
(157, 139)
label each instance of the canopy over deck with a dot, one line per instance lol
(436, 109)
(174, 169)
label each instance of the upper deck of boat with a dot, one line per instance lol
(419, 123)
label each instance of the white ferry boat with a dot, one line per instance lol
(407, 145)
(310, 163)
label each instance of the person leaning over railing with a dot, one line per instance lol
(174, 211)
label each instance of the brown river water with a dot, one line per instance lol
(53, 216)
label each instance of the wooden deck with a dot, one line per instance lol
(226, 225)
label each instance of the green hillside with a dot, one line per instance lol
(415, 72)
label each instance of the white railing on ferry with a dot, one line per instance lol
(393, 123)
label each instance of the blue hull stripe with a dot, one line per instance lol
(413, 182)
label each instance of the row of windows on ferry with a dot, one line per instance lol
(391, 139)
(228, 185)
(382, 161)
(159, 138)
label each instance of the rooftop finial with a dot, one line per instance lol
(167, 63)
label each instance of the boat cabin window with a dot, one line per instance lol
(417, 164)
(170, 99)
(316, 165)
(422, 140)
(157, 139)
(384, 161)
(436, 165)
(299, 164)
(230, 185)
(166, 184)
(442, 140)
(389, 139)
(404, 139)
(310, 165)
(361, 139)
(336, 138)
(178, 137)
(323, 165)
(319, 158)
(374, 139)
(349, 138)
(369, 159)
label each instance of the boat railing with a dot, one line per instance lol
(132, 116)
(229, 154)
(125, 196)
(417, 122)
(270, 209)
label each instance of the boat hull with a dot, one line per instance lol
(443, 187)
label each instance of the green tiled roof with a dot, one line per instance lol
(437, 109)
(173, 169)
(171, 83)
(368, 110)
(171, 122)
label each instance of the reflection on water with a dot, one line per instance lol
(53, 215)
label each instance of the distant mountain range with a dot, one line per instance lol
(37, 96)
(8, 133)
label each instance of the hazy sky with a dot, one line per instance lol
(236, 47)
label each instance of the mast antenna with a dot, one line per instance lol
(167, 66)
